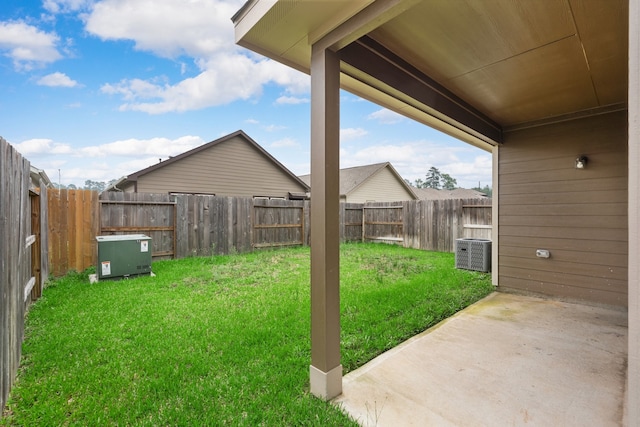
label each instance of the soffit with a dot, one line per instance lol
(513, 61)
(518, 62)
(281, 30)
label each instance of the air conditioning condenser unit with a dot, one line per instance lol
(473, 254)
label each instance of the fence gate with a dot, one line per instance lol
(352, 221)
(382, 222)
(278, 223)
(141, 213)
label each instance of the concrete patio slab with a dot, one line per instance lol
(508, 360)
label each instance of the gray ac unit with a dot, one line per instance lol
(473, 254)
(123, 256)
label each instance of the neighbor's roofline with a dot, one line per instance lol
(384, 165)
(134, 176)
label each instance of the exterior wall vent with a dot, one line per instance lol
(123, 256)
(473, 254)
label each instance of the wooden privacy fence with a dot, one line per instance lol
(280, 223)
(209, 225)
(189, 225)
(23, 266)
(384, 223)
(145, 213)
(73, 226)
(421, 224)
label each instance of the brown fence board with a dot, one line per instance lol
(72, 227)
(181, 226)
(44, 234)
(64, 231)
(5, 376)
(72, 232)
(36, 251)
(87, 213)
(20, 258)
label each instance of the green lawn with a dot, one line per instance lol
(222, 340)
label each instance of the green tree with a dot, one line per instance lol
(433, 178)
(448, 182)
(94, 185)
(436, 179)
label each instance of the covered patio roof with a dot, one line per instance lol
(468, 68)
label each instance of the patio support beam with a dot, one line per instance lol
(325, 370)
(365, 21)
(633, 369)
(495, 212)
(389, 73)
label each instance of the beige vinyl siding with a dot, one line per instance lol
(383, 186)
(580, 216)
(231, 168)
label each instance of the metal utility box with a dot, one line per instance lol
(473, 254)
(123, 256)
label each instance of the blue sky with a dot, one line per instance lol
(100, 89)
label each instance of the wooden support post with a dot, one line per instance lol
(633, 370)
(326, 370)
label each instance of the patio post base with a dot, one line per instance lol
(326, 385)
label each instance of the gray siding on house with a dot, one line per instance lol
(383, 186)
(230, 168)
(580, 216)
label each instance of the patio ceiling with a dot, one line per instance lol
(469, 68)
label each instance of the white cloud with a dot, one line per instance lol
(291, 100)
(42, 146)
(285, 143)
(252, 121)
(349, 134)
(27, 46)
(274, 128)
(385, 116)
(154, 147)
(295, 82)
(57, 80)
(169, 28)
(226, 79)
(60, 6)
(105, 161)
(198, 29)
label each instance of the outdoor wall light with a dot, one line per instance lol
(581, 162)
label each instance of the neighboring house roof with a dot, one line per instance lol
(39, 176)
(458, 193)
(132, 178)
(354, 177)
